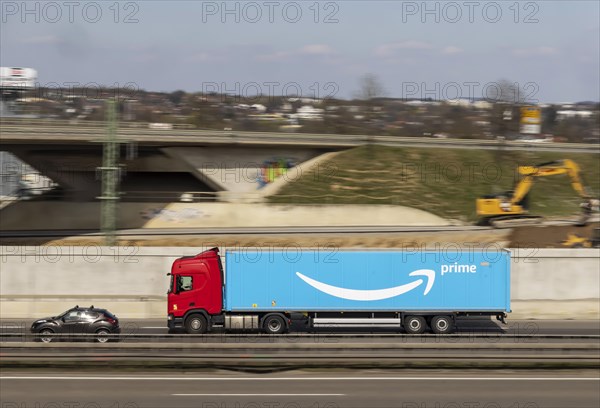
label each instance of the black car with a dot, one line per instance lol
(78, 320)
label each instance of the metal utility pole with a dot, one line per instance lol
(110, 171)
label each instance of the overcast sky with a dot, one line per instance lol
(550, 48)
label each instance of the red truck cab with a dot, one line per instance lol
(196, 291)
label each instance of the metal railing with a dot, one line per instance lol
(185, 196)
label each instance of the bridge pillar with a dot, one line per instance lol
(239, 173)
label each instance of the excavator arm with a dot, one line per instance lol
(521, 189)
(511, 205)
(576, 182)
(554, 168)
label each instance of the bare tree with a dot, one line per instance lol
(370, 87)
(507, 97)
(505, 91)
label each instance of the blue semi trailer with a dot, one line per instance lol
(276, 290)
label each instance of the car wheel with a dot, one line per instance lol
(102, 336)
(274, 324)
(46, 335)
(196, 324)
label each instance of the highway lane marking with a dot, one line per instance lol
(259, 395)
(108, 378)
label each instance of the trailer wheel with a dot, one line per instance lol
(196, 324)
(442, 324)
(415, 324)
(274, 324)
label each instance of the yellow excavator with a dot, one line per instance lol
(511, 208)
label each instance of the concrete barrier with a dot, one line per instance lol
(132, 281)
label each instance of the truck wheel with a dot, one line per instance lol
(442, 325)
(415, 324)
(196, 324)
(274, 324)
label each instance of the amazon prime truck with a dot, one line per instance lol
(279, 290)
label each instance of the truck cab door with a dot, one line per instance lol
(185, 293)
(192, 292)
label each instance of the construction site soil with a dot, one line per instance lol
(564, 236)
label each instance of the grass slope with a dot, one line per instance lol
(445, 182)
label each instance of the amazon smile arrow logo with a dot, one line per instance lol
(376, 294)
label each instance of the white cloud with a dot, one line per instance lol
(535, 51)
(316, 49)
(451, 49)
(310, 49)
(205, 57)
(388, 50)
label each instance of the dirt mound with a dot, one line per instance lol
(550, 236)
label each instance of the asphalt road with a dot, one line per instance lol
(361, 389)
(465, 327)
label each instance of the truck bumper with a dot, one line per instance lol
(175, 322)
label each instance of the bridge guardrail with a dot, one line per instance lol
(140, 132)
(84, 123)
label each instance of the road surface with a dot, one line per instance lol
(465, 327)
(361, 389)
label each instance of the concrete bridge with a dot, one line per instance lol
(36, 131)
(168, 162)
(158, 165)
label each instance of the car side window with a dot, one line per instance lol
(73, 315)
(90, 316)
(185, 283)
